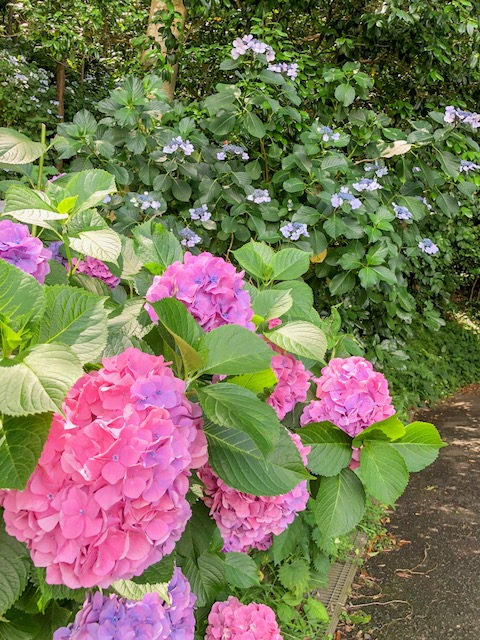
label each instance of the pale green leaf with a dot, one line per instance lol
(241, 570)
(234, 350)
(17, 148)
(419, 446)
(103, 244)
(301, 338)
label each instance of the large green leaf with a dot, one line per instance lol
(90, 187)
(14, 569)
(383, 471)
(289, 264)
(19, 626)
(392, 427)
(38, 380)
(331, 448)
(241, 570)
(130, 320)
(255, 257)
(270, 304)
(21, 444)
(256, 382)
(340, 503)
(22, 298)
(16, 148)
(32, 207)
(233, 350)
(156, 247)
(232, 406)
(238, 461)
(206, 575)
(158, 573)
(301, 338)
(75, 318)
(103, 244)
(419, 446)
(54, 618)
(254, 125)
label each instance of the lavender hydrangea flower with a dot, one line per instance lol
(328, 134)
(259, 196)
(416, 169)
(189, 238)
(294, 230)
(24, 251)
(289, 69)
(344, 196)
(232, 150)
(179, 143)
(466, 166)
(425, 202)
(145, 201)
(107, 199)
(377, 168)
(249, 43)
(452, 114)
(427, 246)
(200, 213)
(367, 184)
(402, 213)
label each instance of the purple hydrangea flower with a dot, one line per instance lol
(427, 246)
(289, 69)
(367, 184)
(179, 143)
(189, 238)
(107, 199)
(294, 230)
(180, 612)
(24, 251)
(249, 43)
(452, 114)
(259, 196)
(402, 213)
(344, 196)
(200, 213)
(377, 168)
(425, 202)
(466, 166)
(232, 150)
(145, 201)
(328, 134)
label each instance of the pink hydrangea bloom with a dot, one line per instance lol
(292, 387)
(107, 498)
(249, 522)
(274, 322)
(209, 287)
(105, 618)
(24, 251)
(351, 395)
(232, 620)
(96, 269)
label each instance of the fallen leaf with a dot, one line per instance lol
(403, 574)
(319, 257)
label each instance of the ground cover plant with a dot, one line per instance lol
(172, 423)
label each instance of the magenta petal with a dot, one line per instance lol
(113, 472)
(134, 487)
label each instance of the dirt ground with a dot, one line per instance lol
(428, 586)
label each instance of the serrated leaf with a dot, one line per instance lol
(75, 318)
(241, 570)
(340, 503)
(238, 461)
(90, 187)
(206, 575)
(234, 350)
(133, 591)
(31, 207)
(19, 626)
(255, 257)
(158, 573)
(229, 405)
(17, 148)
(154, 245)
(301, 338)
(38, 380)
(22, 298)
(289, 264)
(271, 304)
(396, 148)
(419, 446)
(331, 448)
(383, 470)
(130, 320)
(295, 576)
(286, 543)
(14, 569)
(256, 382)
(103, 244)
(342, 283)
(392, 427)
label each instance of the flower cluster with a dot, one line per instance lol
(24, 251)
(328, 134)
(259, 196)
(351, 395)
(236, 621)
(294, 230)
(452, 114)
(427, 246)
(249, 43)
(292, 386)
(96, 269)
(378, 169)
(289, 69)
(249, 522)
(466, 166)
(232, 150)
(402, 213)
(179, 143)
(189, 238)
(107, 498)
(142, 201)
(425, 202)
(200, 213)
(367, 184)
(104, 617)
(209, 287)
(344, 196)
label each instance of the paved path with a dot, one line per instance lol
(437, 575)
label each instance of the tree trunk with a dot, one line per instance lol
(153, 32)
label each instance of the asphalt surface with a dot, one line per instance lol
(429, 589)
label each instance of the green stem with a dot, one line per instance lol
(43, 140)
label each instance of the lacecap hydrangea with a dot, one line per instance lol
(232, 620)
(111, 617)
(250, 522)
(107, 498)
(24, 251)
(209, 287)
